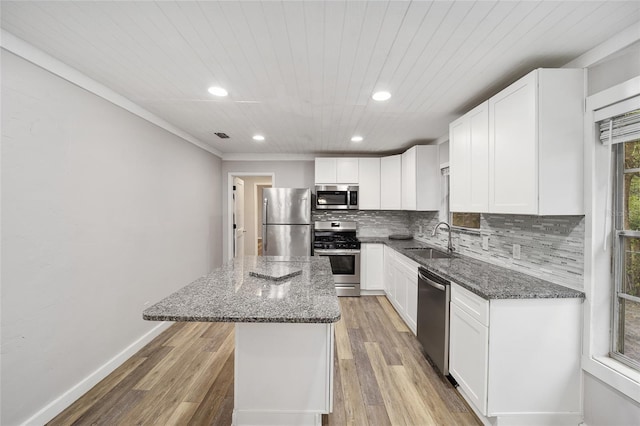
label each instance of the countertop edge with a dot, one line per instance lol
(280, 320)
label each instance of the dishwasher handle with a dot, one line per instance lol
(430, 282)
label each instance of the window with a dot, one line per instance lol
(626, 198)
(466, 220)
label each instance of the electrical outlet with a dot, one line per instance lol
(485, 242)
(516, 251)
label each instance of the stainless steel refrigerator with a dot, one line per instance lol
(286, 222)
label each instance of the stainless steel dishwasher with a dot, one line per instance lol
(434, 294)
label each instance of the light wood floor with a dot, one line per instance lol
(185, 376)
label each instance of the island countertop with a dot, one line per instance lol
(304, 293)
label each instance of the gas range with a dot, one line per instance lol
(337, 241)
(336, 236)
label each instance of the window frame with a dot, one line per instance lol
(621, 235)
(598, 277)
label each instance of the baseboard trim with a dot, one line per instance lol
(372, 292)
(56, 406)
(524, 419)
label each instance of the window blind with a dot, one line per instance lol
(621, 128)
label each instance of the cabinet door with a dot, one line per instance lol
(468, 355)
(513, 151)
(369, 183)
(325, 170)
(391, 182)
(347, 170)
(411, 283)
(409, 189)
(459, 165)
(400, 296)
(389, 279)
(372, 267)
(478, 173)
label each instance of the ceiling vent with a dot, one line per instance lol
(222, 135)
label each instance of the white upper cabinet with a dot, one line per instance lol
(391, 182)
(369, 183)
(325, 170)
(347, 170)
(336, 170)
(469, 161)
(535, 145)
(421, 178)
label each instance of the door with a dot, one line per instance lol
(369, 183)
(391, 182)
(238, 217)
(325, 171)
(513, 149)
(479, 158)
(409, 185)
(459, 165)
(468, 355)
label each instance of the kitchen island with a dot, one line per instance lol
(283, 309)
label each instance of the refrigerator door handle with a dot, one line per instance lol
(264, 222)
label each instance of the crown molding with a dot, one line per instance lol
(21, 48)
(234, 156)
(614, 44)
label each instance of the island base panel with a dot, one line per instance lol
(283, 373)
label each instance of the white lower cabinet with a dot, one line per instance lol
(517, 361)
(468, 348)
(372, 267)
(401, 285)
(410, 279)
(389, 273)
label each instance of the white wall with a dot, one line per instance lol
(605, 406)
(287, 174)
(615, 69)
(102, 213)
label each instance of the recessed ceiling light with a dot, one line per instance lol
(217, 91)
(258, 138)
(381, 96)
(356, 139)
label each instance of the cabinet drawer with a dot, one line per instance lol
(472, 304)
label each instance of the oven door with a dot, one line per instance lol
(345, 265)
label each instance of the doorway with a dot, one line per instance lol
(258, 192)
(245, 212)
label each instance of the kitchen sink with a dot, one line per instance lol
(429, 253)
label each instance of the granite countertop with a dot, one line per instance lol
(232, 294)
(484, 279)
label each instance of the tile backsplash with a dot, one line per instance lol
(551, 247)
(371, 223)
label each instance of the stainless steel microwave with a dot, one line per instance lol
(336, 197)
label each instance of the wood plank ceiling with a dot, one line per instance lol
(301, 73)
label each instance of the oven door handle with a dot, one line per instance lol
(336, 252)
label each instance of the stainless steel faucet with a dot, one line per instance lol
(435, 230)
